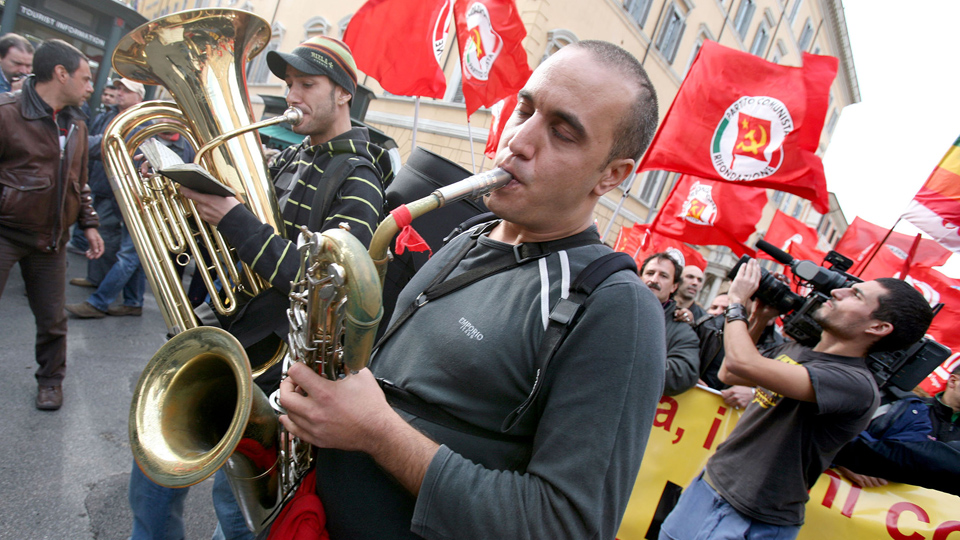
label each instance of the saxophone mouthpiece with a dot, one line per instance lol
(293, 116)
(474, 187)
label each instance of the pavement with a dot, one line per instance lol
(64, 474)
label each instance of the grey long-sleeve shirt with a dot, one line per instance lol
(472, 354)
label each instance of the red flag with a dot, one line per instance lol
(739, 118)
(862, 237)
(793, 237)
(704, 212)
(399, 43)
(492, 58)
(630, 240)
(935, 209)
(501, 113)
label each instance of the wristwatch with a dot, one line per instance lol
(736, 312)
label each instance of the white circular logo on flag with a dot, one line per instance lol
(748, 141)
(484, 44)
(929, 293)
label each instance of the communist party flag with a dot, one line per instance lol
(793, 237)
(935, 209)
(399, 43)
(862, 238)
(640, 243)
(492, 58)
(708, 212)
(739, 118)
(501, 113)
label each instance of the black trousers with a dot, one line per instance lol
(44, 275)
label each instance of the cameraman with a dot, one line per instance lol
(809, 402)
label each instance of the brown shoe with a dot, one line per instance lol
(49, 398)
(85, 311)
(123, 311)
(83, 282)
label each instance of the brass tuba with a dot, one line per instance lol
(199, 56)
(201, 379)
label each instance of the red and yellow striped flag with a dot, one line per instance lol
(935, 209)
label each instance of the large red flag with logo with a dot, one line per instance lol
(708, 212)
(739, 118)
(793, 237)
(935, 209)
(399, 43)
(862, 238)
(492, 58)
(501, 113)
(640, 243)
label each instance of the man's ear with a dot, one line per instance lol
(60, 73)
(342, 96)
(880, 329)
(614, 174)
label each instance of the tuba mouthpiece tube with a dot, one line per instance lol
(293, 116)
(473, 187)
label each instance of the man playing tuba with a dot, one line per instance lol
(322, 78)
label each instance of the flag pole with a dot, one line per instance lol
(416, 119)
(773, 38)
(877, 248)
(473, 157)
(726, 17)
(616, 211)
(650, 44)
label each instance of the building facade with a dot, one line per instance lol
(665, 34)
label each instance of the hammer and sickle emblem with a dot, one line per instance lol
(754, 145)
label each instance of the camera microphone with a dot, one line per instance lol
(778, 255)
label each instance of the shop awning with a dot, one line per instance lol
(281, 136)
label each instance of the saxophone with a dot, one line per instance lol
(335, 306)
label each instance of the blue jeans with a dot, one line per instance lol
(702, 514)
(230, 522)
(78, 239)
(157, 510)
(110, 218)
(126, 275)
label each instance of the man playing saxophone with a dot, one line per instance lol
(459, 453)
(322, 78)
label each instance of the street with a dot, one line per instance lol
(64, 474)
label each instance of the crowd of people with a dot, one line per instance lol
(461, 417)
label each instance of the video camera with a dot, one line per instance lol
(904, 368)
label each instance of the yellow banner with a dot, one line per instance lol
(687, 430)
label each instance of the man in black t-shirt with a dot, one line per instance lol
(809, 402)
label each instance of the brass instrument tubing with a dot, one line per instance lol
(291, 115)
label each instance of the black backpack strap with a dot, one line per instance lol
(563, 316)
(469, 224)
(413, 404)
(523, 253)
(338, 170)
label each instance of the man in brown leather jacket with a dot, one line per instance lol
(43, 190)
